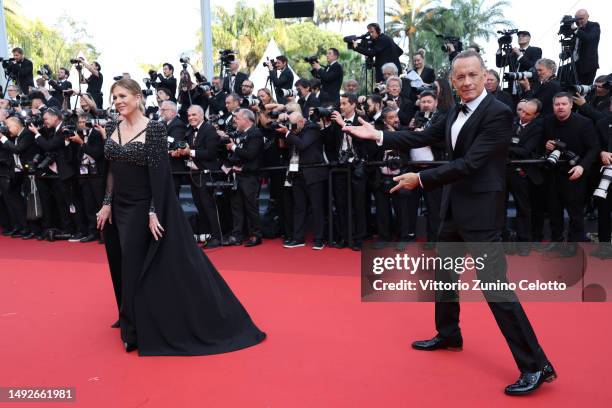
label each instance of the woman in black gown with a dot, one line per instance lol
(172, 300)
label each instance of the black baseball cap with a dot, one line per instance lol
(523, 32)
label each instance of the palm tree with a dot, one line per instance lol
(480, 18)
(409, 17)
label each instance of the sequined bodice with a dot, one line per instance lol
(131, 153)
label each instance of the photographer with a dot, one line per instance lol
(90, 157)
(246, 150)
(201, 152)
(233, 82)
(307, 99)
(283, 79)
(567, 189)
(12, 93)
(380, 47)
(526, 144)
(604, 205)
(390, 70)
(596, 104)
(545, 88)
(165, 80)
(331, 76)
(216, 97)
(177, 133)
(246, 89)
(396, 101)
(587, 43)
(61, 189)
(21, 70)
(190, 94)
(373, 108)
(62, 84)
(492, 87)
(521, 58)
(94, 81)
(307, 184)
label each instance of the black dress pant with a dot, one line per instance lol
(385, 202)
(539, 196)
(455, 242)
(603, 221)
(245, 206)
(204, 200)
(10, 188)
(304, 194)
(586, 78)
(567, 195)
(518, 186)
(54, 194)
(359, 213)
(433, 201)
(92, 193)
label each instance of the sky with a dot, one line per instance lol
(128, 32)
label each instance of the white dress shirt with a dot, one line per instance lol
(463, 117)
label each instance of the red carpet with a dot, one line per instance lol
(324, 349)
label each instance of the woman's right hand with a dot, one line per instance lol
(100, 129)
(104, 215)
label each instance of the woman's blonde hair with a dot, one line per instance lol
(132, 87)
(85, 97)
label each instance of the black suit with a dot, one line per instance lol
(588, 57)
(10, 189)
(473, 212)
(177, 130)
(58, 90)
(504, 97)
(239, 79)
(310, 102)
(280, 82)
(92, 186)
(167, 83)
(331, 80)
(308, 184)
(23, 72)
(204, 145)
(428, 75)
(604, 207)
(527, 62)
(247, 155)
(383, 50)
(544, 91)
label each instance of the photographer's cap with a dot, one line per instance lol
(523, 32)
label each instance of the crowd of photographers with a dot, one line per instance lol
(222, 133)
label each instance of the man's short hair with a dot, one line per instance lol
(169, 65)
(537, 103)
(235, 97)
(37, 95)
(375, 26)
(304, 83)
(282, 58)
(386, 111)
(601, 79)
(352, 98)
(54, 112)
(335, 51)
(196, 108)
(13, 119)
(389, 66)
(468, 54)
(567, 95)
(172, 106)
(432, 94)
(66, 71)
(494, 73)
(376, 98)
(394, 79)
(315, 83)
(247, 114)
(548, 63)
(18, 50)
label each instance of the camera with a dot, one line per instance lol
(76, 61)
(249, 101)
(119, 77)
(380, 88)
(265, 64)
(313, 59)
(289, 92)
(512, 76)
(506, 37)
(581, 89)
(424, 88)
(604, 184)
(226, 57)
(68, 131)
(42, 162)
(45, 70)
(184, 60)
(4, 129)
(178, 145)
(448, 40)
(7, 62)
(561, 148)
(319, 113)
(422, 118)
(565, 28)
(350, 38)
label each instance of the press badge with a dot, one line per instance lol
(294, 167)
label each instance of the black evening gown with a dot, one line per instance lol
(172, 300)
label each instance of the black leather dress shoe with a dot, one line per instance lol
(19, 233)
(129, 347)
(339, 244)
(89, 238)
(29, 235)
(211, 243)
(439, 343)
(529, 382)
(232, 241)
(253, 241)
(115, 325)
(8, 233)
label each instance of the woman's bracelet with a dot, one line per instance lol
(108, 199)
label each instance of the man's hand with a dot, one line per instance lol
(316, 66)
(575, 172)
(408, 181)
(516, 51)
(100, 129)
(579, 99)
(365, 131)
(524, 83)
(76, 139)
(606, 158)
(550, 145)
(282, 130)
(230, 145)
(355, 43)
(337, 117)
(33, 129)
(184, 152)
(391, 104)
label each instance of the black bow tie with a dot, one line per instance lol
(348, 122)
(462, 107)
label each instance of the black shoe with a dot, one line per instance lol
(129, 347)
(115, 325)
(253, 241)
(232, 241)
(288, 240)
(8, 233)
(29, 235)
(295, 244)
(529, 382)
(339, 244)
(19, 233)
(89, 238)
(438, 343)
(51, 235)
(76, 237)
(42, 236)
(65, 236)
(212, 243)
(318, 245)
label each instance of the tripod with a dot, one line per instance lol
(566, 74)
(506, 61)
(367, 75)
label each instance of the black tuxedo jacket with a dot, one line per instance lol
(311, 102)
(474, 182)
(333, 138)
(94, 148)
(59, 88)
(7, 162)
(249, 154)
(530, 146)
(428, 75)
(23, 146)
(168, 83)
(544, 92)
(406, 109)
(280, 82)
(530, 56)
(205, 144)
(24, 72)
(310, 147)
(604, 130)
(588, 42)
(331, 79)
(51, 141)
(383, 50)
(177, 132)
(240, 78)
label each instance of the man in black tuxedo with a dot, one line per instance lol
(245, 156)
(400, 103)
(596, 104)
(380, 47)
(307, 100)
(525, 144)
(331, 76)
(307, 184)
(587, 43)
(177, 130)
(492, 87)
(233, 82)
(390, 70)
(62, 84)
(165, 80)
(281, 77)
(216, 98)
(10, 191)
(545, 87)
(22, 70)
(201, 154)
(477, 139)
(522, 58)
